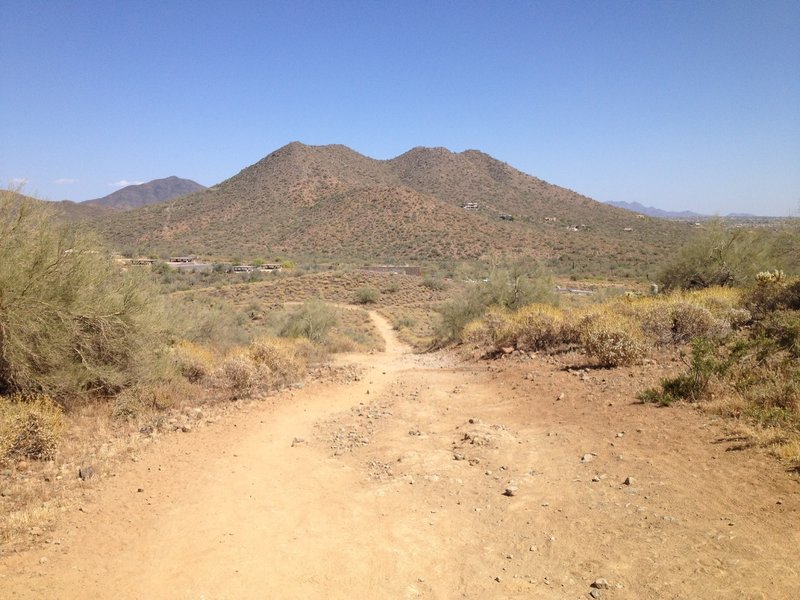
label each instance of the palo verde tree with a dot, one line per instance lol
(71, 321)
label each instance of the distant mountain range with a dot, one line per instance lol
(152, 192)
(667, 214)
(332, 203)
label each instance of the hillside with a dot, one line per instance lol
(152, 192)
(329, 203)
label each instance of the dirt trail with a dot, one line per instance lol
(397, 491)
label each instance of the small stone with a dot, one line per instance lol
(511, 490)
(620, 434)
(458, 456)
(22, 465)
(186, 428)
(628, 481)
(587, 458)
(43, 560)
(600, 584)
(86, 472)
(298, 440)
(596, 478)
(497, 579)
(560, 396)
(595, 593)
(36, 531)
(140, 490)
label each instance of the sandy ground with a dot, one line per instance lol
(395, 486)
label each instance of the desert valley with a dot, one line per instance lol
(433, 376)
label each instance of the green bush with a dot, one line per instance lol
(71, 320)
(722, 256)
(510, 287)
(366, 295)
(312, 320)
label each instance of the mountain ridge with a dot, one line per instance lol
(333, 203)
(143, 194)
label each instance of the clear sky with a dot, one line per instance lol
(676, 104)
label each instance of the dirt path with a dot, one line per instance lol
(397, 491)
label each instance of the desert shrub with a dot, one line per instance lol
(238, 374)
(216, 323)
(277, 360)
(508, 288)
(455, 314)
(690, 321)
(783, 329)
(309, 352)
(150, 397)
(194, 362)
(610, 339)
(475, 332)
(709, 360)
(679, 317)
(366, 295)
(312, 320)
(772, 292)
(435, 284)
(655, 318)
(719, 300)
(537, 327)
(404, 321)
(71, 321)
(519, 284)
(30, 427)
(718, 256)
(391, 288)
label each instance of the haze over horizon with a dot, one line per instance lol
(679, 106)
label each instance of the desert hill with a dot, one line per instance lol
(152, 192)
(330, 202)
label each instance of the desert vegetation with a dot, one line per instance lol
(90, 350)
(736, 332)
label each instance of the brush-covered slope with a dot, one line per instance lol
(152, 192)
(329, 201)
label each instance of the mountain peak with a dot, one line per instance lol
(152, 192)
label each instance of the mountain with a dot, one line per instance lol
(332, 203)
(667, 214)
(651, 211)
(152, 192)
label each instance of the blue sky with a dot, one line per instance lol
(681, 105)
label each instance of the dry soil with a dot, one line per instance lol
(435, 477)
